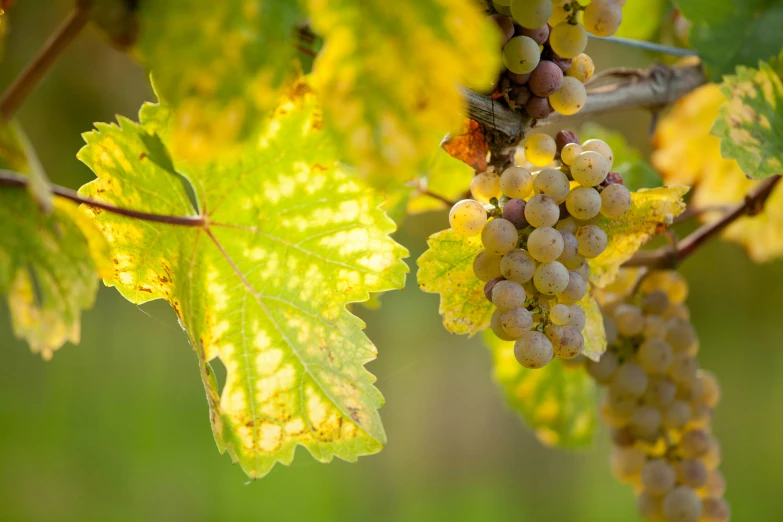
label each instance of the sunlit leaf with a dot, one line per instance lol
(445, 178)
(650, 211)
(750, 123)
(469, 146)
(389, 73)
(594, 333)
(556, 401)
(447, 269)
(642, 18)
(287, 238)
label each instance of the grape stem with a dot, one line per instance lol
(671, 257)
(11, 179)
(32, 75)
(647, 46)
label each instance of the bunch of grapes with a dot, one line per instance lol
(536, 246)
(659, 404)
(543, 44)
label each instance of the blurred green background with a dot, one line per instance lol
(116, 429)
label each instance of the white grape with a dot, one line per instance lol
(575, 290)
(602, 17)
(630, 320)
(682, 504)
(521, 55)
(499, 236)
(560, 314)
(551, 278)
(602, 148)
(583, 203)
(655, 303)
(468, 217)
(540, 149)
(542, 211)
(545, 244)
(567, 225)
(533, 350)
(570, 98)
(571, 343)
(603, 370)
(694, 444)
(495, 323)
(591, 240)
(681, 334)
(516, 182)
(582, 68)
(645, 422)
(627, 463)
(570, 152)
(683, 368)
(715, 510)
(711, 393)
(516, 322)
(590, 168)
(630, 378)
(570, 247)
(676, 415)
(553, 332)
(486, 266)
(568, 40)
(655, 355)
(615, 200)
(692, 473)
(518, 266)
(577, 317)
(553, 183)
(507, 295)
(660, 392)
(485, 186)
(716, 484)
(658, 477)
(654, 327)
(531, 14)
(649, 506)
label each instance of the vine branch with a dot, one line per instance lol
(668, 257)
(29, 78)
(10, 179)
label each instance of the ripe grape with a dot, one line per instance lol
(615, 201)
(649, 506)
(518, 266)
(521, 55)
(583, 202)
(551, 278)
(485, 186)
(602, 17)
(567, 225)
(669, 281)
(682, 504)
(533, 350)
(602, 148)
(570, 247)
(499, 236)
(570, 97)
(568, 40)
(495, 323)
(694, 444)
(630, 320)
(575, 290)
(520, 79)
(582, 68)
(505, 25)
(507, 295)
(516, 322)
(542, 211)
(711, 394)
(715, 510)
(540, 34)
(570, 152)
(716, 484)
(553, 332)
(629, 378)
(660, 392)
(538, 107)
(553, 183)
(676, 415)
(658, 477)
(545, 79)
(540, 149)
(592, 240)
(655, 303)
(489, 285)
(545, 244)
(655, 355)
(692, 473)
(577, 319)
(681, 335)
(468, 217)
(683, 368)
(514, 211)
(627, 463)
(560, 314)
(516, 182)
(531, 13)
(590, 168)
(571, 343)
(645, 422)
(654, 327)
(486, 266)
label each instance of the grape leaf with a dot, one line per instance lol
(556, 401)
(446, 177)
(750, 123)
(728, 33)
(650, 210)
(686, 152)
(642, 18)
(447, 269)
(628, 161)
(593, 332)
(389, 74)
(470, 146)
(284, 238)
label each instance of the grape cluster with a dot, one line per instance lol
(659, 404)
(543, 44)
(543, 230)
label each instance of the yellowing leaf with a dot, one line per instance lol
(447, 269)
(750, 123)
(389, 72)
(642, 18)
(686, 152)
(650, 211)
(446, 177)
(556, 401)
(283, 239)
(593, 332)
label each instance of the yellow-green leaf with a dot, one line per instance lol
(593, 332)
(642, 18)
(556, 401)
(650, 210)
(389, 73)
(447, 269)
(284, 238)
(750, 123)
(445, 178)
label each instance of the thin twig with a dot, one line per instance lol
(692, 212)
(440, 198)
(24, 84)
(647, 46)
(10, 179)
(667, 257)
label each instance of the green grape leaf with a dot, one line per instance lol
(650, 211)
(637, 173)
(556, 401)
(446, 177)
(728, 33)
(221, 66)
(642, 18)
(447, 269)
(593, 332)
(284, 237)
(750, 123)
(388, 76)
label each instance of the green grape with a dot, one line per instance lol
(521, 55)
(577, 317)
(507, 295)
(499, 236)
(540, 149)
(650, 506)
(495, 323)
(485, 186)
(533, 350)
(553, 183)
(575, 290)
(682, 504)
(571, 343)
(676, 415)
(629, 378)
(518, 266)
(568, 40)
(602, 148)
(542, 211)
(660, 392)
(560, 314)
(502, 3)
(567, 225)
(468, 217)
(714, 509)
(486, 266)
(583, 202)
(602, 17)
(545, 244)
(516, 182)
(570, 98)
(570, 152)
(590, 168)
(516, 322)
(551, 278)
(615, 201)
(630, 320)
(591, 240)
(582, 68)
(655, 355)
(570, 247)
(627, 464)
(658, 477)
(531, 14)
(692, 473)
(645, 422)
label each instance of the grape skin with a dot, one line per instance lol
(560, 314)
(486, 266)
(516, 182)
(551, 278)
(507, 295)
(521, 55)
(514, 211)
(542, 211)
(645, 422)
(615, 201)
(658, 477)
(516, 322)
(571, 343)
(602, 17)
(531, 13)
(570, 98)
(533, 350)
(570, 247)
(692, 473)
(715, 510)
(682, 504)
(540, 149)
(538, 107)
(499, 236)
(468, 217)
(583, 203)
(570, 152)
(545, 79)
(630, 378)
(601, 147)
(627, 463)
(577, 317)
(655, 355)
(575, 290)
(518, 266)
(553, 183)
(590, 168)
(591, 241)
(568, 40)
(485, 186)
(582, 68)
(495, 323)
(545, 244)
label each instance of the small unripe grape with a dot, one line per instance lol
(615, 201)
(540, 149)
(676, 415)
(692, 473)
(645, 422)
(551, 278)
(575, 290)
(514, 211)
(539, 35)
(577, 319)
(660, 392)
(570, 98)
(516, 182)
(521, 55)
(486, 266)
(582, 68)
(570, 247)
(630, 378)
(553, 183)
(499, 236)
(545, 244)
(682, 504)
(568, 40)
(560, 314)
(545, 79)
(538, 107)
(485, 186)
(603, 370)
(495, 323)
(533, 350)
(571, 343)
(542, 211)
(602, 17)
(627, 463)
(658, 477)
(468, 217)
(505, 27)
(591, 240)
(570, 152)
(715, 509)
(507, 295)
(583, 203)
(602, 148)
(516, 322)
(655, 355)
(531, 13)
(630, 320)
(590, 168)
(518, 266)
